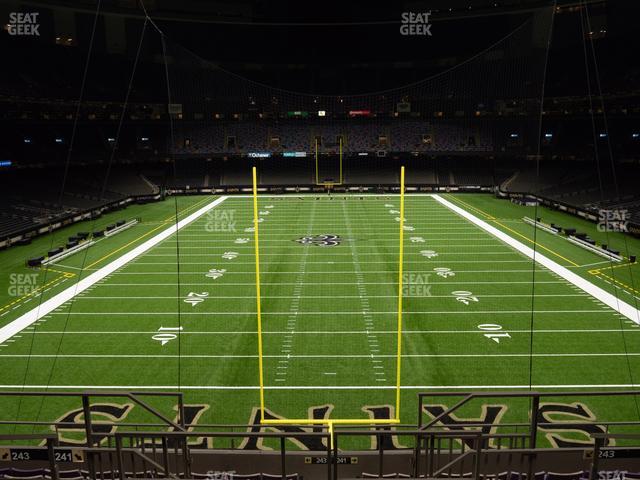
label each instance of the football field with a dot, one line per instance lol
(478, 313)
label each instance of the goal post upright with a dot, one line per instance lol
(258, 301)
(400, 265)
(329, 423)
(340, 160)
(316, 156)
(340, 164)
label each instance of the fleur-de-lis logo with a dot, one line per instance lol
(320, 240)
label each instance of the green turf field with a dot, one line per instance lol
(181, 316)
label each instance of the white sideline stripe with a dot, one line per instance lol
(50, 305)
(320, 387)
(605, 297)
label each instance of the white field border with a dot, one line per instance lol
(605, 297)
(51, 304)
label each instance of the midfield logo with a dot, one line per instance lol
(320, 240)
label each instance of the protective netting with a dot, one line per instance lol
(478, 312)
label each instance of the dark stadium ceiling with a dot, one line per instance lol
(329, 46)
(303, 12)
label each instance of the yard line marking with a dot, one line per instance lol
(238, 247)
(328, 332)
(293, 307)
(287, 238)
(612, 301)
(51, 304)
(528, 282)
(364, 300)
(73, 268)
(324, 262)
(205, 245)
(592, 264)
(329, 272)
(324, 313)
(376, 354)
(323, 387)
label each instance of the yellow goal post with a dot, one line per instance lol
(328, 421)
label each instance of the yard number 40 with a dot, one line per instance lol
(495, 334)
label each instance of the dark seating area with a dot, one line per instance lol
(583, 185)
(40, 196)
(399, 136)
